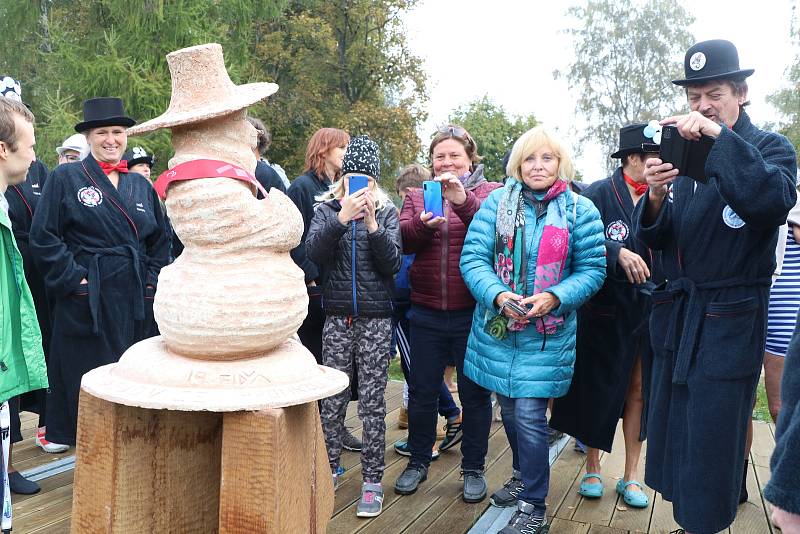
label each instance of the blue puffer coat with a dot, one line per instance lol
(527, 363)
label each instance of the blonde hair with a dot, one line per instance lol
(533, 140)
(336, 191)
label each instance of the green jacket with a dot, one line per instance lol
(22, 366)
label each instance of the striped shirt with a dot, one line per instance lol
(784, 300)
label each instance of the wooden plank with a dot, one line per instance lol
(750, 516)
(56, 512)
(661, 520)
(763, 444)
(560, 525)
(762, 477)
(59, 527)
(41, 501)
(48, 484)
(602, 529)
(567, 468)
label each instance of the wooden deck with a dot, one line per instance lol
(437, 506)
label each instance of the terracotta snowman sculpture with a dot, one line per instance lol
(216, 414)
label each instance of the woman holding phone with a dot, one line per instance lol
(441, 312)
(533, 254)
(355, 237)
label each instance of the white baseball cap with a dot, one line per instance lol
(76, 142)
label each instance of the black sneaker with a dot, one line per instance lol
(475, 488)
(351, 443)
(21, 485)
(509, 493)
(410, 479)
(553, 435)
(526, 520)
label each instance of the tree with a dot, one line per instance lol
(626, 55)
(787, 100)
(494, 131)
(343, 64)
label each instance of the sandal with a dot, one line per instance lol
(592, 490)
(636, 499)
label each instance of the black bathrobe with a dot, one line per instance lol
(708, 323)
(115, 238)
(612, 328)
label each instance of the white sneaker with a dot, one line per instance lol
(48, 447)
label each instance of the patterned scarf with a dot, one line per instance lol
(509, 252)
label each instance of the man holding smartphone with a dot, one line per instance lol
(708, 324)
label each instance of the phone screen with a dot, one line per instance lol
(357, 182)
(432, 197)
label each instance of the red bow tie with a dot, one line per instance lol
(108, 168)
(640, 189)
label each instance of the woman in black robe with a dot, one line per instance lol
(98, 236)
(613, 344)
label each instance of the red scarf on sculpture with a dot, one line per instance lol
(639, 189)
(108, 168)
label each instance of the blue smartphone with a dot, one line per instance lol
(432, 197)
(357, 182)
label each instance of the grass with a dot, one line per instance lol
(761, 411)
(395, 373)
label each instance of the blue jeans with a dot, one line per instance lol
(438, 337)
(525, 422)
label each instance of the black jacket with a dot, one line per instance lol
(375, 259)
(303, 191)
(268, 178)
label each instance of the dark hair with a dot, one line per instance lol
(264, 135)
(411, 176)
(738, 87)
(460, 134)
(8, 128)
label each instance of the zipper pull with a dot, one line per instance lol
(3, 366)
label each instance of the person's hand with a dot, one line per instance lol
(369, 213)
(693, 125)
(788, 522)
(452, 188)
(352, 206)
(430, 221)
(501, 299)
(634, 266)
(658, 176)
(543, 303)
(796, 233)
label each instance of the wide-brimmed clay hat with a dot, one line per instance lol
(202, 89)
(632, 140)
(103, 111)
(716, 59)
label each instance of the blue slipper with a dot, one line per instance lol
(593, 490)
(636, 499)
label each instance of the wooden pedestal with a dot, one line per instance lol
(140, 470)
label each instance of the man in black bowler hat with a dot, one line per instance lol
(708, 324)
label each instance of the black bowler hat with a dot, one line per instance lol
(632, 141)
(106, 111)
(712, 60)
(138, 155)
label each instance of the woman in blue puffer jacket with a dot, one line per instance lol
(534, 253)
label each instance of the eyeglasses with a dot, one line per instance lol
(71, 157)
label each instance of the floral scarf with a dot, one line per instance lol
(509, 252)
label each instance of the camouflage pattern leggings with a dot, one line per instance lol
(365, 341)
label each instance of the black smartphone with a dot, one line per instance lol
(689, 157)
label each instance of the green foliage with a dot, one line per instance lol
(340, 63)
(626, 55)
(494, 131)
(787, 100)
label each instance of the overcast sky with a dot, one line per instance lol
(509, 49)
